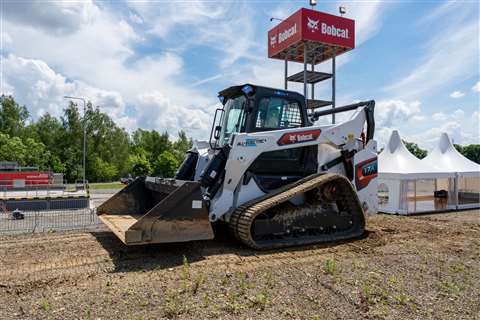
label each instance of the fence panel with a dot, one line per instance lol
(50, 221)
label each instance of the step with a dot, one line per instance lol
(314, 104)
(312, 77)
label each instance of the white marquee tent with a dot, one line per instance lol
(467, 183)
(408, 185)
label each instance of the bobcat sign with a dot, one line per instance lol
(312, 26)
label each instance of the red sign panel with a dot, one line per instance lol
(298, 137)
(288, 32)
(312, 26)
(365, 172)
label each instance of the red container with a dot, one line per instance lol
(31, 177)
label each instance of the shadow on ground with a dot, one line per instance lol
(169, 255)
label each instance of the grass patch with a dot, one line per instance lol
(174, 305)
(402, 298)
(330, 267)
(45, 305)
(106, 185)
(233, 305)
(260, 300)
(450, 289)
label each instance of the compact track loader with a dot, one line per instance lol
(276, 178)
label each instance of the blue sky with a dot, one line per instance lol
(159, 64)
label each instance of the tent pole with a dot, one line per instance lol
(415, 194)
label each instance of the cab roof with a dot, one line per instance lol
(235, 91)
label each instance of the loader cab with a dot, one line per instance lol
(250, 108)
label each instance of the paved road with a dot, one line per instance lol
(97, 197)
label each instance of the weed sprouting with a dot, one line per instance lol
(45, 305)
(330, 267)
(402, 298)
(450, 289)
(260, 300)
(232, 305)
(199, 280)
(173, 305)
(185, 274)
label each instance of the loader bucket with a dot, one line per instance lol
(156, 210)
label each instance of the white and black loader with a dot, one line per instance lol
(273, 176)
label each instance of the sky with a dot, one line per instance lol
(160, 64)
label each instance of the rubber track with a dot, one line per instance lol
(244, 215)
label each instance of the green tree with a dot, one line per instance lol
(12, 116)
(472, 151)
(71, 143)
(152, 142)
(49, 131)
(25, 153)
(138, 165)
(181, 146)
(12, 149)
(166, 165)
(105, 141)
(36, 154)
(415, 149)
(103, 171)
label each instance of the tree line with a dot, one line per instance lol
(55, 144)
(471, 151)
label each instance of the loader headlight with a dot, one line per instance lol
(248, 90)
(221, 98)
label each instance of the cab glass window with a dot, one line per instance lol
(278, 113)
(234, 117)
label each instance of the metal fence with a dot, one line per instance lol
(50, 221)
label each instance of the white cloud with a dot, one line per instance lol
(415, 125)
(169, 116)
(58, 17)
(457, 94)
(476, 87)
(35, 84)
(390, 112)
(463, 129)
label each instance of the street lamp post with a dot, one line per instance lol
(84, 132)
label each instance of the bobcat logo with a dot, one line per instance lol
(273, 41)
(312, 24)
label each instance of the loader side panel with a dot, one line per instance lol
(274, 169)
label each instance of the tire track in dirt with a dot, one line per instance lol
(66, 256)
(45, 239)
(91, 256)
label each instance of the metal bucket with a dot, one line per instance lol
(156, 210)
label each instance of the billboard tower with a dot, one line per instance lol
(311, 37)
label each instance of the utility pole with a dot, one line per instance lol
(84, 133)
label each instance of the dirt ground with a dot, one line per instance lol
(424, 267)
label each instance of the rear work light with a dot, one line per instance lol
(299, 137)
